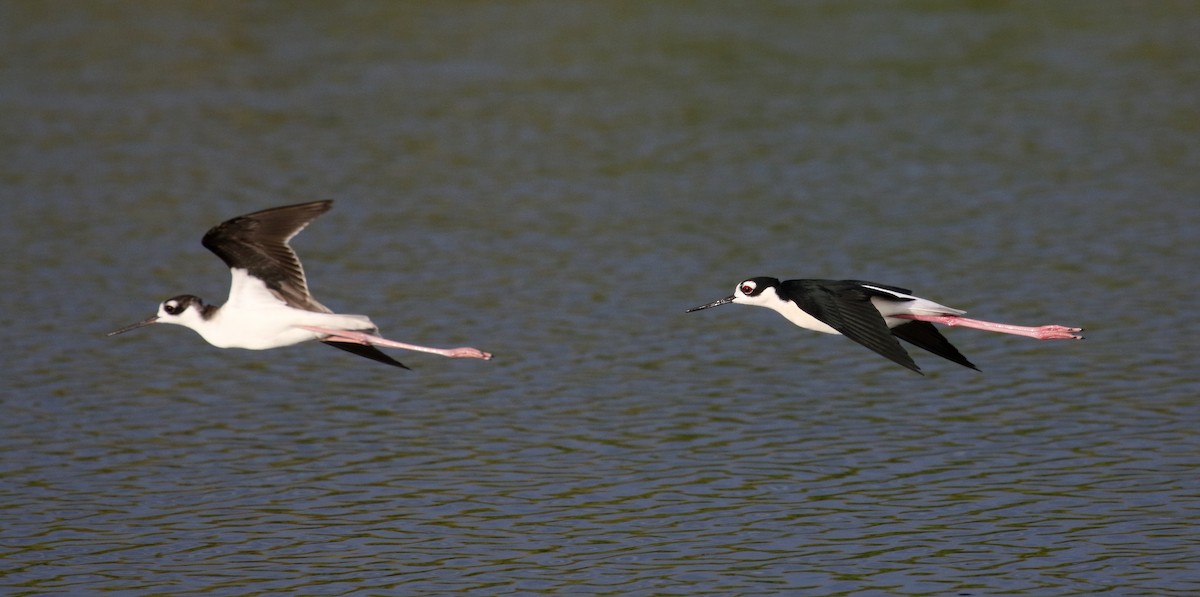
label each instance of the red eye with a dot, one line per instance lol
(747, 289)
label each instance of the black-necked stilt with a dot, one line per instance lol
(269, 305)
(873, 315)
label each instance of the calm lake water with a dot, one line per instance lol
(556, 183)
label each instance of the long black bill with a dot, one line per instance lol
(135, 326)
(726, 300)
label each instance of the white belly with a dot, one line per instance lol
(260, 329)
(796, 315)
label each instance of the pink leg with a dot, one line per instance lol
(1045, 332)
(364, 338)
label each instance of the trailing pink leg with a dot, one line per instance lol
(1045, 332)
(464, 352)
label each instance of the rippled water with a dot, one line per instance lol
(556, 184)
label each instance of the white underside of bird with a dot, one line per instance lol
(255, 318)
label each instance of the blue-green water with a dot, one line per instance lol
(556, 183)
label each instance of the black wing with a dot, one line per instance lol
(845, 306)
(366, 350)
(258, 243)
(883, 286)
(922, 334)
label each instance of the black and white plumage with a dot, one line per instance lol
(873, 315)
(269, 303)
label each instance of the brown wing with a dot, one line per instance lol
(258, 243)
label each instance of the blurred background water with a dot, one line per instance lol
(556, 183)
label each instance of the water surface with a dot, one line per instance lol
(556, 184)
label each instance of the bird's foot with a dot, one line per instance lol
(1058, 332)
(466, 352)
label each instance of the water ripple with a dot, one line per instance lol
(556, 183)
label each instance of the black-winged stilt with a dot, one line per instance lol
(269, 305)
(873, 315)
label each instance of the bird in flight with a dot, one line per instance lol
(269, 304)
(874, 315)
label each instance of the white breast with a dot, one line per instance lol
(272, 328)
(796, 315)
